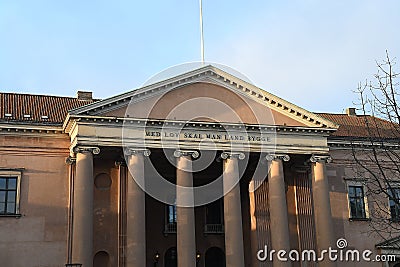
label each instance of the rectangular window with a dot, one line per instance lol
(394, 200)
(356, 202)
(214, 218)
(9, 192)
(214, 212)
(170, 219)
(171, 213)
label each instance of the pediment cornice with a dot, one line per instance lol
(209, 74)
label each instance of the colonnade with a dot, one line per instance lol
(82, 248)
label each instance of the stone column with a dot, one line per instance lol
(322, 206)
(232, 210)
(186, 239)
(278, 207)
(82, 242)
(71, 162)
(122, 181)
(253, 224)
(135, 208)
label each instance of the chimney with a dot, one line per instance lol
(83, 95)
(351, 111)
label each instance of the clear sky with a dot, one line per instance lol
(310, 52)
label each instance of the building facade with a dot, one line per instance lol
(201, 169)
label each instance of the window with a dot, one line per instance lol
(394, 199)
(9, 192)
(357, 202)
(171, 213)
(214, 218)
(170, 219)
(214, 212)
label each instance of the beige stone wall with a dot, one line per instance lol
(39, 236)
(105, 208)
(357, 233)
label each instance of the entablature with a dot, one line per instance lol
(113, 131)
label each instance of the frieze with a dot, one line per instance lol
(200, 136)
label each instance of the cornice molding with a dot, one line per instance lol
(362, 144)
(135, 122)
(29, 129)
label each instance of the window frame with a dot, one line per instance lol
(220, 204)
(214, 228)
(358, 183)
(393, 186)
(170, 227)
(170, 207)
(11, 173)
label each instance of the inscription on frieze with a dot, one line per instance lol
(201, 136)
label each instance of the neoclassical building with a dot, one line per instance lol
(200, 169)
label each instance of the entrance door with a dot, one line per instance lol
(215, 257)
(170, 259)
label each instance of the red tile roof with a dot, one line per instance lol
(362, 126)
(44, 109)
(37, 109)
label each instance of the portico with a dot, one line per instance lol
(258, 168)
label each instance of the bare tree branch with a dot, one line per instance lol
(378, 157)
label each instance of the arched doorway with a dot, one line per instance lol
(101, 259)
(170, 259)
(215, 257)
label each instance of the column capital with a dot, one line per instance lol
(239, 155)
(70, 160)
(129, 151)
(85, 149)
(120, 162)
(271, 157)
(193, 153)
(321, 158)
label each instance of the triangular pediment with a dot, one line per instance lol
(205, 94)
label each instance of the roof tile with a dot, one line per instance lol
(37, 107)
(362, 126)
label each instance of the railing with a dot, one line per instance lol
(170, 228)
(214, 228)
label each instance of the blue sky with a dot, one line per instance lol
(310, 52)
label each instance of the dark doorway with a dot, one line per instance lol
(170, 259)
(101, 259)
(215, 257)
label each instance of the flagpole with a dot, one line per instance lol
(201, 32)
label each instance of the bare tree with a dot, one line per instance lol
(376, 149)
